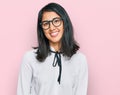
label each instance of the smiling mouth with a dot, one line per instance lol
(54, 34)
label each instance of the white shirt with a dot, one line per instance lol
(40, 78)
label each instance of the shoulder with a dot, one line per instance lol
(79, 56)
(30, 55)
(79, 59)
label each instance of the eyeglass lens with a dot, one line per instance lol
(56, 22)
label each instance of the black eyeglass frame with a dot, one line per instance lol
(52, 21)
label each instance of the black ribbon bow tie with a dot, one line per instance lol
(57, 60)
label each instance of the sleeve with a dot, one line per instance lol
(25, 76)
(82, 80)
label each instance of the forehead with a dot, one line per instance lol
(49, 15)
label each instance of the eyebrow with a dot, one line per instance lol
(50, 20)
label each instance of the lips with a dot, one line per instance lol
(53, 34)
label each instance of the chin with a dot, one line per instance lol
(55, 41)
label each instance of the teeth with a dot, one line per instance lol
(53, 34)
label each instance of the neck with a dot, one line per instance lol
(56, 46)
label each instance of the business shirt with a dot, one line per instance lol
(41, 78)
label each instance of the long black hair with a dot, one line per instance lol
(68, 43)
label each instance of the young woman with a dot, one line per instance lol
(55, 67)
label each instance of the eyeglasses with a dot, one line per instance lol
(55, 21)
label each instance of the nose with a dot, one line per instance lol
(52, 27)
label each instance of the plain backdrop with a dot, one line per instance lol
(97, 30)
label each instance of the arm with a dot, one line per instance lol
(82, 81)
(25, 77)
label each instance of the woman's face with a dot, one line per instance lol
(52, 25)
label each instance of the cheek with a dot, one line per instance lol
(46, 34)
(62, 30)
(62, 27)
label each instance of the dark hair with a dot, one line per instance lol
(68, 43)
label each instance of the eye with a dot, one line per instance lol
(56, 21)
(45, 24)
